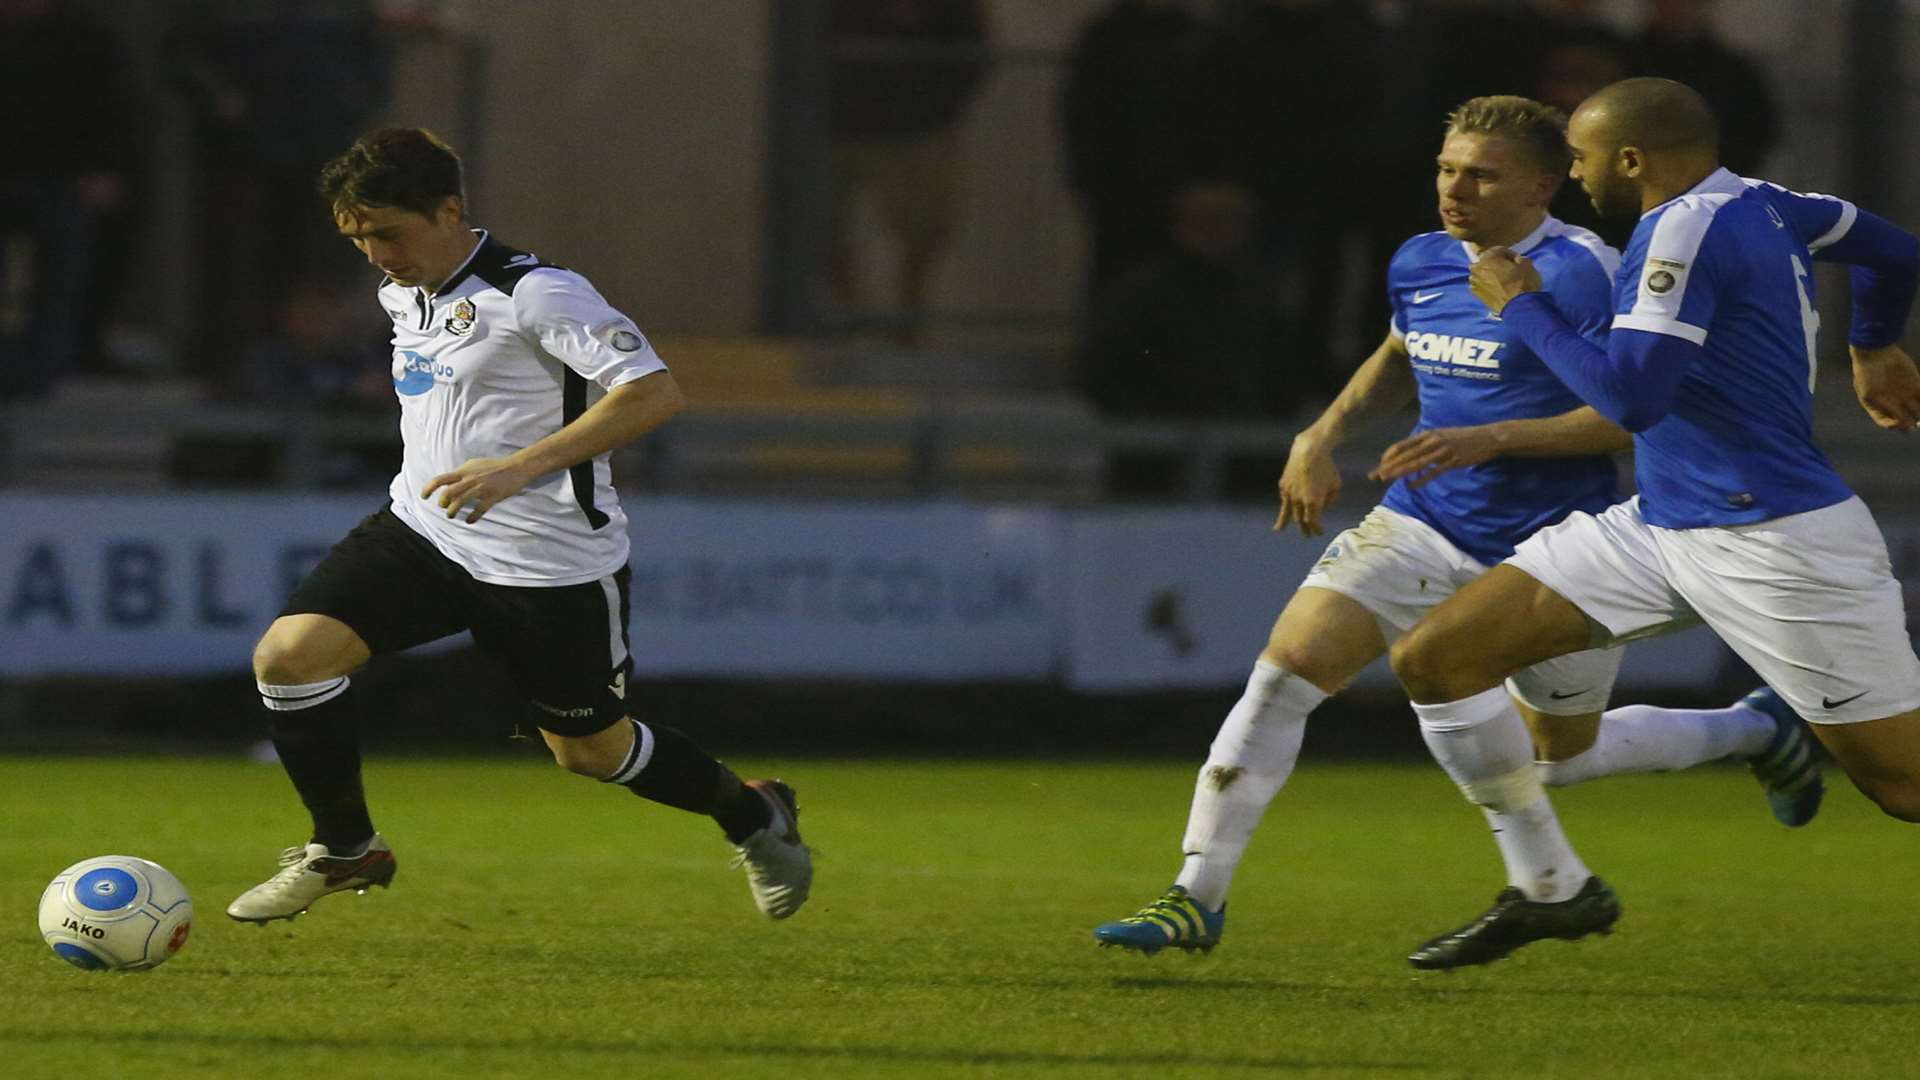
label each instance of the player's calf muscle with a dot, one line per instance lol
(596, 755)
(1558, 738)
(1897, 794)
(1900, 802)
(1882, 757)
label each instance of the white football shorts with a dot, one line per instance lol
(1808, 600)
(1399, 568)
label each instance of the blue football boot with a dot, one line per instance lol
(1175, 919)
(1786, 768)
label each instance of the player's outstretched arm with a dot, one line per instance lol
(1884, 261)
(1888, 386)
(1579, 433)
(628, 412)
(1632, 381)
(1310, 481)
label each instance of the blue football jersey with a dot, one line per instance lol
(1471, 371)
(1729, 267)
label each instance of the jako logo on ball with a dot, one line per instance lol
(115, 913)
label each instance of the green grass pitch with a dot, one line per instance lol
(542, 926)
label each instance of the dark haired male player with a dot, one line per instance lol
(516, 380)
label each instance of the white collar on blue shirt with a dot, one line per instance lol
(1721, 181)
(1548, 226)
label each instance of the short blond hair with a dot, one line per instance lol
(1537, 128)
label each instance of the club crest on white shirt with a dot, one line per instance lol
(460, 322)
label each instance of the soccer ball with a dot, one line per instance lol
(115, 913)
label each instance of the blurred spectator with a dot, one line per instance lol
(1294, 96)
(1678, 42)
(64, 108)
(902, 73)
(1578, 54)
(275, 87)
(1475, 47)
(1200, 333)
(1127, 147)
(323, 350)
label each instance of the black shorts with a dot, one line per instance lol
(566, 645)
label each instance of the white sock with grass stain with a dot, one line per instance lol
(1246, 767)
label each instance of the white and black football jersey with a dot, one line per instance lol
(507, 352)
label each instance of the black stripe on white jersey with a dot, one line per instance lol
(502, 267)
(573, 402)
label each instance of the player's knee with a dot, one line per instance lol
(1420, 663)
(279, 660)
(1306, 664)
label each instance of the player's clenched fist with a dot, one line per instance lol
(1888, 386)
(1499, 275)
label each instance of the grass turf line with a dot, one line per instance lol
(545, 926)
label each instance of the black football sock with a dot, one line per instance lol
(666, 767)
(744, 814)
(315, 730)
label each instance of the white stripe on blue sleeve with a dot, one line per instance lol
(1672, 252)
(1848, 212)
(1658, 325)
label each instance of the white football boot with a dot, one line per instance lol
(779, 866)
(309, 873)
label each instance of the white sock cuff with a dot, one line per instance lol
(1466, 713)
(1273, 683)
(637, 757)
(1505, 794)
(304, 696)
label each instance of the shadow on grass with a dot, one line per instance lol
(1428, 988)
(1428, 985)
(279, 1044)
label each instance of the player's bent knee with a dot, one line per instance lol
(1420, 665)
(1324, 675)
(297, 650)
(281, 661)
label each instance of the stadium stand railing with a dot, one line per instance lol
(770, 419)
